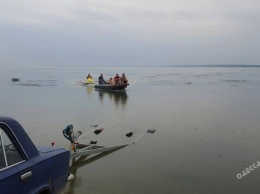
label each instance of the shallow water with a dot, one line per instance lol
(206, 120)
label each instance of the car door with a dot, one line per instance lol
(15, 168)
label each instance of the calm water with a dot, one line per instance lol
(206, 119)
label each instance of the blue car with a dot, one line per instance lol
(26, 169)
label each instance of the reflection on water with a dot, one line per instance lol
(119, 97)
(78, 163)
(90, 89)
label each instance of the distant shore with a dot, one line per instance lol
(137, 66)
(216, 65)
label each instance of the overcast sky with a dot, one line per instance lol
(129, 32)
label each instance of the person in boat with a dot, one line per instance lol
(89, 79)
(112, 81)
(117, 79)
(101, 79)
(124, 79)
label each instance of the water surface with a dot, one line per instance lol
(206, 121)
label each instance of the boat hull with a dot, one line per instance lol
(110, 87)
